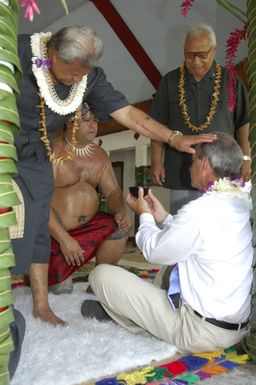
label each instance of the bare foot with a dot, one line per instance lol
(47, 315)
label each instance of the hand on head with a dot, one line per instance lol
(184, 142)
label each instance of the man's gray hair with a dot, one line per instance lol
(224, 154)
(77, 43)
(201, 29)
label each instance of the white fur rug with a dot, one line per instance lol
(84, 350)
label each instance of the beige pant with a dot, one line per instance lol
(136, 305)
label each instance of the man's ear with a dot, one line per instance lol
(53, 55)
(205, 164)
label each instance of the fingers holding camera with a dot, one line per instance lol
(138, 205)
(156, 207)
(147, 204)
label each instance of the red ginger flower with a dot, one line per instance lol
(233, 42)
(31, 8)
(185, 6)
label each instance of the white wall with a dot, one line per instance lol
(124, 148)
(128, 157)
(159, 27)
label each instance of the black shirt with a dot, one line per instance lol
(165, 108)
(33, 165)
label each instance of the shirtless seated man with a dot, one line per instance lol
(79, 231)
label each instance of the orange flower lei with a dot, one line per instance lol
(215, 99)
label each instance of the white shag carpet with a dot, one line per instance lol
(84, 350)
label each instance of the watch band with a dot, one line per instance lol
(247, 157)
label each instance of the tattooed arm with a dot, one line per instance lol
(143, 124)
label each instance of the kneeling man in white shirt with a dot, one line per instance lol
(208, 243)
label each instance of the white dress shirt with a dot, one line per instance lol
(211, 240)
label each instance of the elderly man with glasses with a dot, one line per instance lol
(193, 99)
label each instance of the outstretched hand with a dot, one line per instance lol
(184, 142)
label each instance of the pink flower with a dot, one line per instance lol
(185, 6)
(31, 8)
(233, 42)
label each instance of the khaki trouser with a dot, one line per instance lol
(136, 305)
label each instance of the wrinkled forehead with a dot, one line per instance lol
(198, 43)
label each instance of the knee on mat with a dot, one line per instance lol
(98, 275)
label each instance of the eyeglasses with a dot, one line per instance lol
(200, 54)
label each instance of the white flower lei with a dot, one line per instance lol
(45, 84)
(229, 187)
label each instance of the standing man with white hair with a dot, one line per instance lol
(59, 73)
(191, 100)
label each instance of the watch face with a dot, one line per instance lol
(134, 190)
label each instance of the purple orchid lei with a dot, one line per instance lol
(226, 184)
(46, 63)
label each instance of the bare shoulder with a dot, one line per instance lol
(101, 154)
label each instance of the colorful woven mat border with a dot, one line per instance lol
(82, 276)
(149, 274)
(185, 371)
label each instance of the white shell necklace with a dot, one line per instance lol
(45, 83)
(84, 151)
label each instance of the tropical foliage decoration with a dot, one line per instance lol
(248, 31)
(249, 343)
(10, 72)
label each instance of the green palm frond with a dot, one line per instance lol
(7, 77)
(11, 57)
(8, 22)
(9, 125)
(4, 245)
(233, 9)
(7, 132)
(7, 166)
(7, 220)
(8, 109)
(64, 3)
(7, 43)
(8, 151)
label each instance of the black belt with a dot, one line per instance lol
(223, 324)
